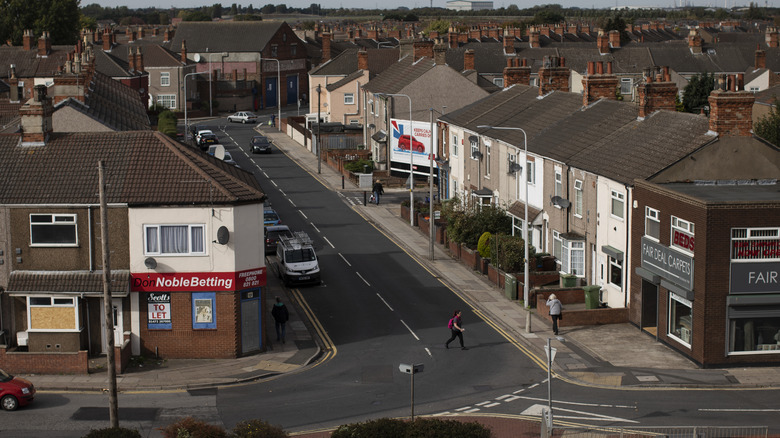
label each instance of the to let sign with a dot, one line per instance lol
(158, 305)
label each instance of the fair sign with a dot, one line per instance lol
(197, 281)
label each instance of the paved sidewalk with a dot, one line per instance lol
(629, 358)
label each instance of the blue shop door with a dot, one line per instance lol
(270, 92)
(292, 90)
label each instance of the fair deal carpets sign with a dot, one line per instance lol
(668, 263)
(197, 281)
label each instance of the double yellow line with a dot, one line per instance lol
(329, 348)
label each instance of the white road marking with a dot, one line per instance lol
(331, 245)
(409, 328)
(428, 351)
(345, 259)
(303, 214)
(282, 192)
(463, 408)
(383, 300)
(364, 280)
(508, 398)
(739, 410)
(483, 403)
(595, 405)
(536, 410)
(471, 411)
(274, 183)
(315, 227)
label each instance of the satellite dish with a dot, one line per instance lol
(223, 235)
(196, 57)
(150, 263)
(560, 202)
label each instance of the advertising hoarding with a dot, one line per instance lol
(417, 140)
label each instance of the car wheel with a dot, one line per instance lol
(245, 121)
(9, 403)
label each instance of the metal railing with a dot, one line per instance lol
(666, 432)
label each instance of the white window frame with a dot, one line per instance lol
(454, 145)
(349, 98)
(474, 148)
(652, 215)
(674, 297)
(487, 158)
(569, 247)
(626, 86)
(57, 219)
(498, 82)
(558, 183)
(158, 252)
(73, 304)
(167, 100)
(530, 171)
(616, 264)
(165, 79)
(578, 198)
(756, 238)
(557, 246)
(620, 198)
(684, 226)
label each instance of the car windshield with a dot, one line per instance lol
(259, 140)
(300, 255)
(270, 216)
(5, 377)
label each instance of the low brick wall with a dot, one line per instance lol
(23, 362)
(122, 356)
(469, 257)
(574, 317)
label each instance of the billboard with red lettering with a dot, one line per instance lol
(197, 281)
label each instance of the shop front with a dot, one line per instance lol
(200, 315)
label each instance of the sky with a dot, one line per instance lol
(388, 4)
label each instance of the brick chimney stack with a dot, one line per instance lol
(731, 107)
(440, 52)
(423, 49)
(35, 116)
(468, 59)
(553, 76)
(509, 42)
(602, 43)
(372, 33)
(44, 45)
(27, 39)
(362, 57)
(183, 51)
(107, 43)
(516, 71)
(167, 35)
(760, 57)
(694, 42)
(13, 83)
(533, 37)
(656, 94)
(139, 60)
(771, 38)
(131, 59)
(597, 84)
(614, 39)
(325, 47)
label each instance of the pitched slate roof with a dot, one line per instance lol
(225, 36)
(399, 75)
(142, 168)
(111, 65)
(346, 63)
(68, 281)
(29, 65)
(723, 58)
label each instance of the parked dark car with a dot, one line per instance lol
(260, 144)
(15, 392)
(207, 140)
(272, 235)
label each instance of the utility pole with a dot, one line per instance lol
(319, 152)
(113, 406)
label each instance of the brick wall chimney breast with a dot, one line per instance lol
(731, 112)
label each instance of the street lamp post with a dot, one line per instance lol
(431, 223)
(525, 221)
(550, 358)
(411, 155)
(223, 54)
(278, 92)
(319, 154)
(186, 125)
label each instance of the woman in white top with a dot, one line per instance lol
(555, 311)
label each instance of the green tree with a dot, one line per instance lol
(250, 9)
(61, 18)
(721, 14)
(196, 16)
(697, 92)
(164, 18)
(441, 26)
(216, 11)
(234, 9)
(281, 9)
(754, 12)
(268, 9)
(768, 126)
(548, 15)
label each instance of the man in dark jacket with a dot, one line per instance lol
(377, 190)
(281, 315)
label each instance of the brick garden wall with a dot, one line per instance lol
(16, 362)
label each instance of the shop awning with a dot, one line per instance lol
(612, 252)
(679, 290)
(67, 283)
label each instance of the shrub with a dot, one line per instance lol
(357, 166)
(113, 432)
(420, 428)
(166, 123)
(258, 429)
(510, 253)
(483, 245)
(192, 428)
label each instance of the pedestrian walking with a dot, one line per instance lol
(377, 190)
(456, 327)
(281, 315)
(273, 119)
(555, 311)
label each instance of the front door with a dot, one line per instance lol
(292, 90)
(270, 92)
(649, 307)
(251, 321)
(116, 311)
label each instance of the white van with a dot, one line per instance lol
(296, 259)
